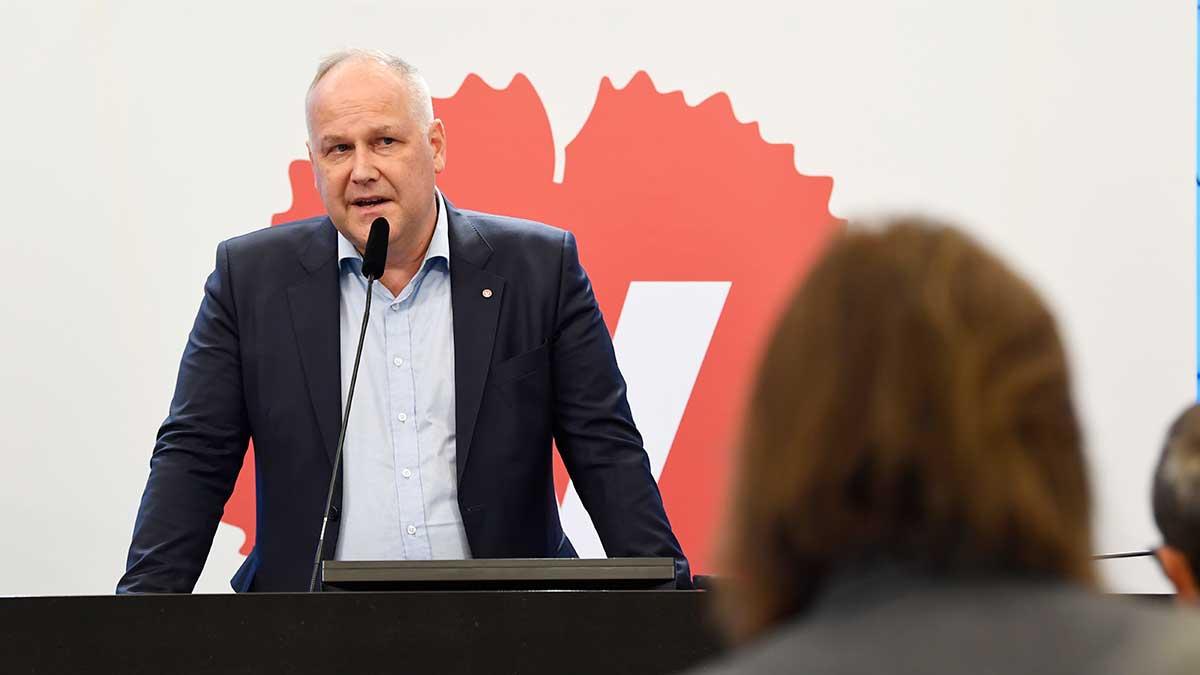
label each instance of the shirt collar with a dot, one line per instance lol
(439, 245)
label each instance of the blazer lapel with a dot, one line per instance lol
(475, 297)
(314, 303)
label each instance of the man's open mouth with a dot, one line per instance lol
(372, 201)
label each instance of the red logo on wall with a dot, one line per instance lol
(654, 190)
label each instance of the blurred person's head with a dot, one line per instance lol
(913, 407)
(1177, 504)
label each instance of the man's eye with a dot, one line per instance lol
(340, 147)
(386, 141)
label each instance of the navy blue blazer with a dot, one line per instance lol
(533, 363)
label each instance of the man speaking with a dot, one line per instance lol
(485, 345)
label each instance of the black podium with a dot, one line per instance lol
(446, 631)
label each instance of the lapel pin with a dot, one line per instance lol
(487, 293)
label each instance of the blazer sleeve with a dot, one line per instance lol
(595, 432)
(198, 452)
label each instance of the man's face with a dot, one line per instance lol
(372, 156)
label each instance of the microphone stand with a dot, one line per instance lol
(337, 458)
(1124, 554)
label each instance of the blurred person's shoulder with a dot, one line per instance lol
(1167, 641)
(1125, 634)
(994, 627)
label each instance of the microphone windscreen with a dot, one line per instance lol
(375, 256)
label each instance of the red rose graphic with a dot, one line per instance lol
(654, 190)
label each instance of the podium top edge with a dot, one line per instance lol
(505, 563)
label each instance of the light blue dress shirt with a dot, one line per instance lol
(399, 481)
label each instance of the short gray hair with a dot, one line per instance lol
(418, 89)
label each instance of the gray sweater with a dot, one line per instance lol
(892, 622)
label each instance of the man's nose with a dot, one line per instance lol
(364, 170)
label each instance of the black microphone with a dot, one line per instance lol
(373, 262)
(375, 256)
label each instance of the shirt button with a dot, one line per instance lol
(412, 529)
(402, 417)
(396, 307)
(407, 473)
(398, 361)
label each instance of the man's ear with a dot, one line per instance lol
(1177, 568)
(437, 141)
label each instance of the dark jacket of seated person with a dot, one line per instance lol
(912, 494)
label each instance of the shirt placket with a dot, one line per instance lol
(406, 451)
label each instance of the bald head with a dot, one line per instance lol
(389, 71)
